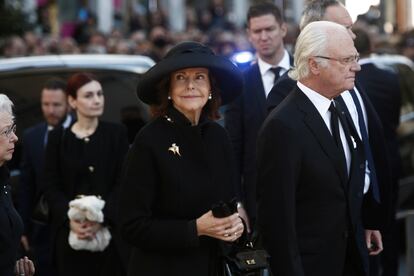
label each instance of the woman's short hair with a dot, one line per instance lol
(312, 41)
(6, 105)
(211, 109)
(78, 80)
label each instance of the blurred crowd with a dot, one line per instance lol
(149, 34)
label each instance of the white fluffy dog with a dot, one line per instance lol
(88, 208)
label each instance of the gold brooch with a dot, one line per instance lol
(174, 149)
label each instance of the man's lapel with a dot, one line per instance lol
(257, 88)
(318, 128)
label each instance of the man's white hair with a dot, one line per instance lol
(313, 41)
(6, 105)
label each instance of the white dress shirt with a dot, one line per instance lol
(267, 76)
(322, 104)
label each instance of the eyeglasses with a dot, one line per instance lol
(7, 132)
(345, 60)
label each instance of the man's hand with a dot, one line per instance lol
(373, 240)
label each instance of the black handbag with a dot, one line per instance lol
(243, 257)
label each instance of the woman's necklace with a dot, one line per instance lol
(82, 133)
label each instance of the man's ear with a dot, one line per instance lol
(283, 29)
(314, 66)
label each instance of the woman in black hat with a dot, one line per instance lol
(180, 165)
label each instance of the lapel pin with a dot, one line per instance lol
(174, 149)
(353, 142)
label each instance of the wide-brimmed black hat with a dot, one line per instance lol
(187, 55)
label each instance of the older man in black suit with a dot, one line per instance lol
(311, 166)
(266, 30)
(359, 109)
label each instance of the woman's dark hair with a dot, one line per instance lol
(211, 109)
(78, 80)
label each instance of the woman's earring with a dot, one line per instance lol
(209, 96)
(169, 98)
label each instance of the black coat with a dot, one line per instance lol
(383, 89)
(165, 191)
(307, 205)
(90, 166)
(11, 226)
(31, 171)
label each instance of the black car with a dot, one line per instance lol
(22, 79)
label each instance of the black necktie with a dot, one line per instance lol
(276, 71)
(367, 148)
(335, 132)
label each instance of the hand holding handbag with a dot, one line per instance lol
(243, 257)
(246, 258)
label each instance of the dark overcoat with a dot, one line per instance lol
(11, 226)
(174, 173)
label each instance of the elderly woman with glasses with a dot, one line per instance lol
(10, 221)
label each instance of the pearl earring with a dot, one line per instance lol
(169, 97)
(210, 97)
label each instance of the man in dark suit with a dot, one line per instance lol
(36, 234)
(383, 89)
(311, 166)
(243, 118)
(378, 169)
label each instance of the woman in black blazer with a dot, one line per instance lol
(11, 225)
(181, 164)
(84, 159)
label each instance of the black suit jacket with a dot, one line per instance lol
(31, 171)
(243, 119)
(307, 204)
(279, 91)
(383, 89)
(377, 143)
